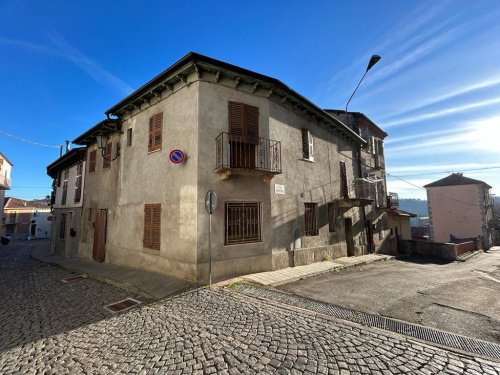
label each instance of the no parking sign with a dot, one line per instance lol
(177, 156)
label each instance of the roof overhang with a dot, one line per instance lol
(374, 127)
(5, 158)
(69, 159)
(196, 63)
(105, 127)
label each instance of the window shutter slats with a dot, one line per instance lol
(237, 118)
(158, 130)
(92, 161)
(155, 132)
(252, 123)
(106, 160)
(152, 226)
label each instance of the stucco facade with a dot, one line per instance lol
(193, 97)
(68, 173)
(26, 219)
(461, 208)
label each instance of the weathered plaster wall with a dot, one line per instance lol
(139, 177)
(70, 196)
(282, 215)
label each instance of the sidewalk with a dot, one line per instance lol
(151, 285)
(157, 286)
(291, 274)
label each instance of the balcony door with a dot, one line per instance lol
(243, 134)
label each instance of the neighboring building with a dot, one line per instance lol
(372, 172)
(286, 174)
(68, 173)
(460, 208)
(26, 219)
(5, 171)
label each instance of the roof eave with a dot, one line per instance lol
(192, 59)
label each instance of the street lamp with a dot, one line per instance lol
(102, 142)
(373, 60)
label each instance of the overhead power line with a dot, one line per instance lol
(448, 172)
(27, 140)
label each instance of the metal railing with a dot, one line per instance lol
(247, 153)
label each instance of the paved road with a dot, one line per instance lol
(199, 332)
(462, 298)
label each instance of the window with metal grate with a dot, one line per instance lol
(243, 222)
(311, 221)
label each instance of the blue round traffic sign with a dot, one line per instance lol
(177, 156)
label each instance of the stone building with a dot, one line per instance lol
(286, 173)
(67, 200)
(372, 172)
(460, 209)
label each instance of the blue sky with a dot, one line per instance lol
(436, 90)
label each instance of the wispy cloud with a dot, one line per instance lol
(419, 135)
(442, 112)
(450, 93)
(479, 135)
(61, 48)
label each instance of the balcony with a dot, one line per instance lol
(247, 155)
(4, 182)
(360, 193)
(393, 200)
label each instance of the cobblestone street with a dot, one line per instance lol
(51, 327)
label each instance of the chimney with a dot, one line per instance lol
(67, 147)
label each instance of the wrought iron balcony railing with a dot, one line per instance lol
(236, 152)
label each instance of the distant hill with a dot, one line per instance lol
(415, 206)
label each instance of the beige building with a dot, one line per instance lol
(5, 172)
(286, 173)
(67, 200)
(460, 208)
(26, 219)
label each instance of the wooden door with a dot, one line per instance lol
(99, 249)
(369, 234)
(348, 237)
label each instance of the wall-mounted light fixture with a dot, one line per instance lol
(102, 142)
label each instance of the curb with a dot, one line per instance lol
(119, 284)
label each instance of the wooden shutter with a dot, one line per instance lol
(155, 132)
(106, 159)
(243, 122)
(237, 118)
(92, 159)
(129, 137)
(305, 144)
(344, 190)
(332, 217)
(152, 226)
(252, 124)
(78, 184)
(65, 187)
